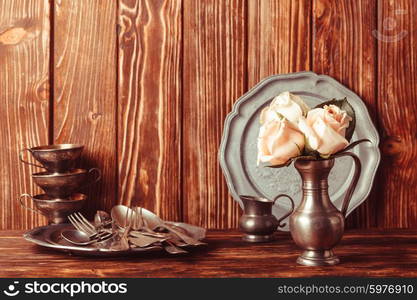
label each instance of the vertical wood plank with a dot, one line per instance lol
(279, 38)
(85, 88)
(397, 106)
(344, 48)
(149, 112)
(214, 75)
(24, 98)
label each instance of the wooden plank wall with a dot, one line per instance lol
(84, 88)
(397, 106)
(24, 101)
(344, 48)
(146, 85)
(149, 105)
(214, 73)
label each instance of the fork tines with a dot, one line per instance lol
(82, 224)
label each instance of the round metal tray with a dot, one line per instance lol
(50, 236)
(238, 148)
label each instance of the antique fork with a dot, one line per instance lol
(83, 225)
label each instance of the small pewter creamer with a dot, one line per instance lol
(257, 222)
(317, 225)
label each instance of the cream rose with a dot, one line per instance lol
(325, 128)
(288, 105)
(278, 141)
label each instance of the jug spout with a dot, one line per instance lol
(256, 206)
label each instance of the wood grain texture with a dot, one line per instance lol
(24, 98)
(397, 105)
(344, 48)
(85, 88)
(149, 109)
(146, 86)
(214, 76)
(369, 253)
(279, 38)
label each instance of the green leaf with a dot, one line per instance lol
(343, 104)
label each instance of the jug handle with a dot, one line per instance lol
(287, 214)
(351, 189)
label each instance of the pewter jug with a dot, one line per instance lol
(317, 225)
(257, 222)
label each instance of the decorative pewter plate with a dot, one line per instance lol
(50, 237)
(238, 148)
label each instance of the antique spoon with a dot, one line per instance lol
(122, 216)
(81, 238)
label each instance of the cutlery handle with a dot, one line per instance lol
(25, 196)
(26, 162)
(182, 236)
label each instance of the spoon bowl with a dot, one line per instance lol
(122, 215)
(76, 237)
(81, 238)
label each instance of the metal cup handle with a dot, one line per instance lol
(287, 214)
(25, 206)
(98, 177)
(26, 162)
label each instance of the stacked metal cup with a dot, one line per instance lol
(61, 181)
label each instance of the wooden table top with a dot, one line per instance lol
(370, 253)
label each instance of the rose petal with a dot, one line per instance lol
(278, 142)
(290, 106)
(312, 140)
(330, 140)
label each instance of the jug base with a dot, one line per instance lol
(257, 238)
(318, 258)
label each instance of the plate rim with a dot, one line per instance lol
(29, 236)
